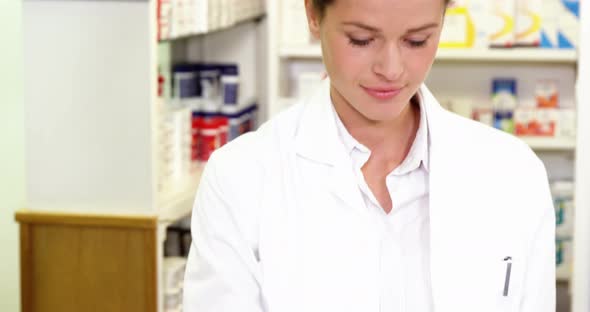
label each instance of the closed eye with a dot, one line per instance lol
(359, 42)
(417, 43)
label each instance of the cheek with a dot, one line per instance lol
(418, 64)
(343, 61)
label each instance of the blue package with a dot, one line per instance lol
(504, 85)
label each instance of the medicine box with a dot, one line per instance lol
(547, 93)
(502, 23)
(528, 22)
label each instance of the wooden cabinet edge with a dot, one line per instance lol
(80, 219)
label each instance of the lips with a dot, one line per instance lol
(382, 93)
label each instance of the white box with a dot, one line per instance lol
(564, 258)
(528, 22)
(566, 123)
(173, 273)
(569, 24)
(501, 25)
(550, 23)
(200, 16)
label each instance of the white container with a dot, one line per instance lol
(566, 123)
(564, 258)
(173, 274)
(200, 13)
(173, 299)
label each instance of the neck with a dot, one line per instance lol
(390, 140)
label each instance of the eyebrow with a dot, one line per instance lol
(361, 25)
(374, 29)
(424, 27)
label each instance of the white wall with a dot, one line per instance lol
(89, 79)
(12, 184)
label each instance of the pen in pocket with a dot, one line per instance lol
(508, 261)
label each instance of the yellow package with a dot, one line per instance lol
(459, 29)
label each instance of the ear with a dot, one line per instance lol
(313, 19)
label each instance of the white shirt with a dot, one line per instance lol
(405, 231)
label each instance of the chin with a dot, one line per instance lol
(380, 115)
(381, 111)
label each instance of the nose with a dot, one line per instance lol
(388, 63)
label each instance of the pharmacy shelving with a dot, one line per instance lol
(462, 55)
(94, 135)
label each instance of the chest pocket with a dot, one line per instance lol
(507, 282)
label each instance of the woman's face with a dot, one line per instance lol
(377, 52)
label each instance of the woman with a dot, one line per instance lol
(368, 196)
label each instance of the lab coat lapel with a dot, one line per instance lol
(445, 213)
(317, 141)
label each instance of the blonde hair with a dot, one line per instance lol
(321, 5)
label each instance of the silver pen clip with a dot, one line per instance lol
(508, 261)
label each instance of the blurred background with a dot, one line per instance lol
(110, 110)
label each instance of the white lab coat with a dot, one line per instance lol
(279, 224)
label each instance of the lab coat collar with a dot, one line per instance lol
(317, 136)
(317, 133)
(418, 154)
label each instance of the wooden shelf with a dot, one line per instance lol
(532, 55)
